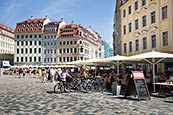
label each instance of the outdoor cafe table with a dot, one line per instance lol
(166, 84)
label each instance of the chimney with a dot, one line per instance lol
(32, 17)
(72, 22)
(46, 16)
(62, 19)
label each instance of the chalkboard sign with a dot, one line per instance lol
(137, 83)
(141, 89)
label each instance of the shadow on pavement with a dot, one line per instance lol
(169, 101)
(133, 98)
(38, 82)
(128, 98)
(51, 92)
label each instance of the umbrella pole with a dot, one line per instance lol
(118, 64)
(95, 70)
(153, 64)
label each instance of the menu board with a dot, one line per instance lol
(139, 84)
(141, 89)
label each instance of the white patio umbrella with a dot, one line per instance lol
(95, 61)
(118, 59)
(80, 62)
(15, 66)
(151, 57)
(31, 65)
(24, 66)
(87, 62)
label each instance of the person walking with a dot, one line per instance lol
(39, 72)
(20, 72)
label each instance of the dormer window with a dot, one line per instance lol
(31, 29)
(23, 25)
(35, 29)
(18, 29)
(22, 29)
(36, 25)
(68, 27)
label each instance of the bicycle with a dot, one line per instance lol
(59, 87)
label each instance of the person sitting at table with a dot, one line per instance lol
(163, 77)
(171, 76)
(170, 80)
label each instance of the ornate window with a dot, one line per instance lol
(144, 43)
(164, 12)
(153, 41)
(137, 44)
(144, 21)
(125, 50)
(165, 38)
(136, 5)
(153, 17)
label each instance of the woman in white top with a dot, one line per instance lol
(63, 76)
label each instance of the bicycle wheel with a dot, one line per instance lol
(61, 87)
(57, 88)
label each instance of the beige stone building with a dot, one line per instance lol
(146, 25)
(143, 25)
(117, 29)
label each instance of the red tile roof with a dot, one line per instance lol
(2, 26)
(30, 26)
(34, 20)
(52, 25)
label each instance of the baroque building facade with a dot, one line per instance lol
(146, 25)
(117, 29)
(28, 41)
(50, 42)
(41, 42)
(6, 44)
(78, 43)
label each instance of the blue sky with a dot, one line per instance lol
(96, 13)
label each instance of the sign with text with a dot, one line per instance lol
(138, 84)
(138, 75)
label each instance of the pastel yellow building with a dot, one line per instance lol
(146, 25)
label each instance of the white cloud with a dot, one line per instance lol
(59, 8)
(9, 10)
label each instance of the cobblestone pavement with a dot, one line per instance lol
(28, 96)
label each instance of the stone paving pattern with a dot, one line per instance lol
(28, 96)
